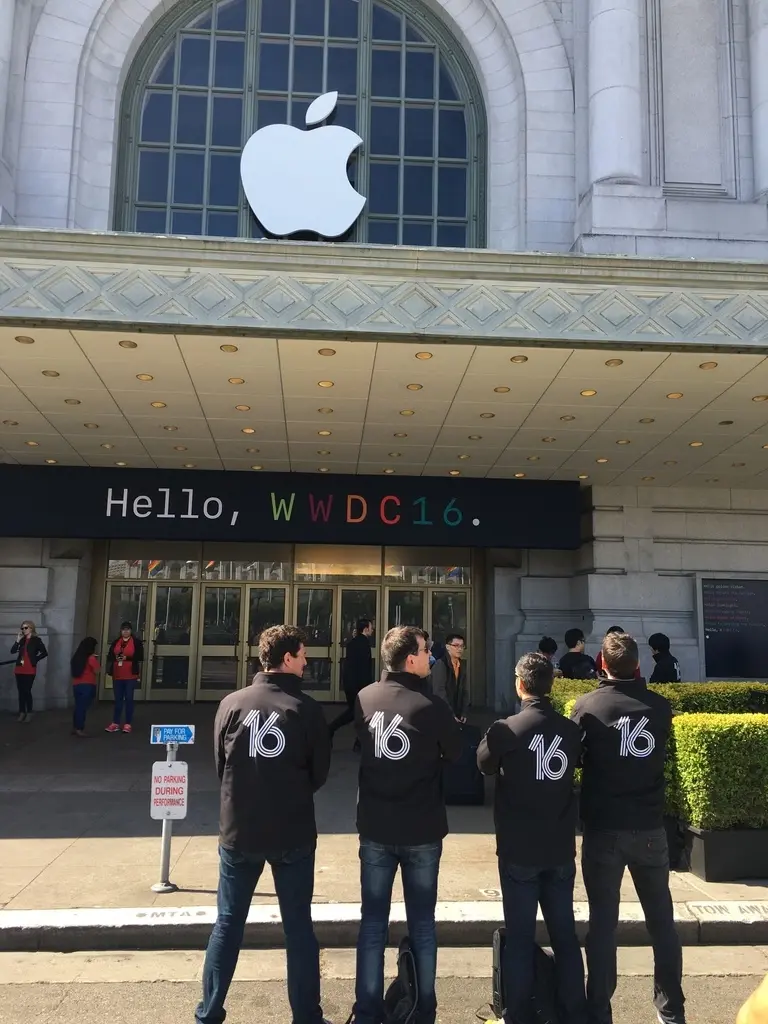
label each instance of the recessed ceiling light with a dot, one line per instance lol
(144, 377)
(549, 440)
(738, 465)
(107, 446)
(400, 435)
(236, 380)
(695, 444)
(567, 419)
(248, 430)
(713, 480)
(519, 476)
(501, 391)
(395, 455)
(127, 344)
(324, 433)
(32, 444)
(325, 383)
(189, 465)
(601, 461)
(243, 408)
(454, 472)
(765, 446)
(462, 457)
(423, 355)
(533, 458)
(414, 387)
(257, 467)
(158, 405)
(624, 440)
(91, 426)
(51, 462)
(121, 463)
(588, 393)
(10, 423)
(671, 462)
(323, 469)
(24, 339)
(583, 476)
(170, 426)
(647, 479)
(760, 398)
(708, 366)
(326, 351)
(518, 359)
(51, 373)
(180, 448)
(325, 411)
(647, 419)
(324, 452)
(487, 415)
(228, 348)
(614, 362)
(725, 423)
(675, 394)
(252, 451)
(474, 437)
(389, 472)
(72, 401)
(406, 412)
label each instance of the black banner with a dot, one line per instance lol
(61, 501)
(735, 628)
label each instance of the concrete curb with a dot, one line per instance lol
(336, 925)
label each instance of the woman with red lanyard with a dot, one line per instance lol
(124, 660)
(29, 650)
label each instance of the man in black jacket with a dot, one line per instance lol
(625, 730)
(576, 664)
(448, 678)
(405, 732)
(272, 754)
(533, 755)
(357, 673)
(667, 667)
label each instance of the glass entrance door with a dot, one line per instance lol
(313, 613)
(169, 654)
(267, 606)
(357, 603)
(220, 654)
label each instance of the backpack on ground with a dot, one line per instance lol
(402, 997)
(544, 995)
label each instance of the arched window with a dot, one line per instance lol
(212, 73)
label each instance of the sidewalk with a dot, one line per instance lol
(75, 833)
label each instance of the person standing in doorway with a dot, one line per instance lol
(85, 678)
(667, 667)
(272, 755)
(358, 672)
(406, 733)
(534, 755)
(449, 676)
(124, 660)
(30, 651)
(599, 667)
(625, 730)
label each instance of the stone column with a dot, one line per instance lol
(7, 11)
(615, 109)
(758, 73)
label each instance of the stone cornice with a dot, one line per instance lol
(192, 284)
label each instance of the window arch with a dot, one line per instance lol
(211, 73)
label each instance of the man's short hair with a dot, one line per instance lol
(362, 624)
(276, 642)
(614, 629)
(659, 642)
(548, 645)
(454, 636)
(398, 644)
(536, 674)
(620, 655)
(573, 636)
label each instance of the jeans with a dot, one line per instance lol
(123, 689)
(84, 694)
(294, 876)
(378, 866)
(605, 855)
(24, 687)
(523, 888)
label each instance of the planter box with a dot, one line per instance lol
(724, 856)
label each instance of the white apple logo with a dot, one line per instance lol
(297, 181)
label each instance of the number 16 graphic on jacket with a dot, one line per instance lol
(260, 732)
(384, 734)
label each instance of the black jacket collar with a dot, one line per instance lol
(627, 685)
(285, 680)
(407, 679)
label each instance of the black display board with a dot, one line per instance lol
(60, 501)
(735, 628)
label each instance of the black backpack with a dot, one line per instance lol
(402, 997)
(543, 997)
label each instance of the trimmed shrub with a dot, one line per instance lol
(719, 770)
(687, 698)
(568, 690)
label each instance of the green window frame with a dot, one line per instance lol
(213, 71)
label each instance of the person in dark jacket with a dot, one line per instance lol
(406, 733)
(449, 675)
(272, 754)
(667, 667)
(30, 651)
(357, 673)
(576, 664)
(124, 660)
(534, 755)
(625, 730)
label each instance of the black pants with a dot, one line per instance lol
(605, 855)
(24, 685)
(347, 716)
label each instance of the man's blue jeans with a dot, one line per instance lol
(294, 876)
(378, 866)
(523, 889)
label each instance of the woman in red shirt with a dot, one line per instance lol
(30, 651)
(124, 660)
(85, 676)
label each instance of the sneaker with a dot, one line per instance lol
(22, 717)
(127, 728)
(28, 716)
(112, 727)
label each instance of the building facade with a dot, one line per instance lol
(541, 287)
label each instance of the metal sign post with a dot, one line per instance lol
(168, 793)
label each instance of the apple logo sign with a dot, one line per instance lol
(297, 180)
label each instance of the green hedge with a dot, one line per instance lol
(686, 698)
(718, 770)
